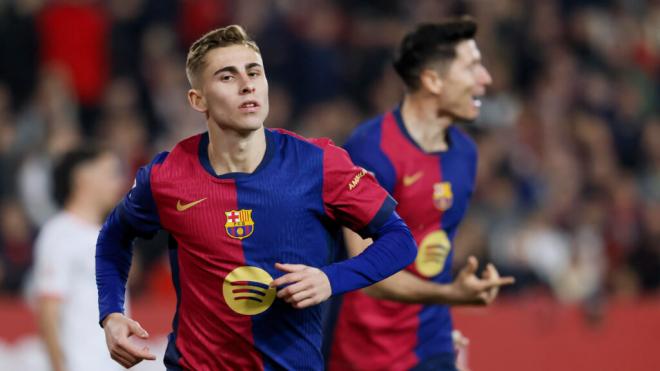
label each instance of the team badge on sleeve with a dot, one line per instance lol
(239, 223)
(443, 197)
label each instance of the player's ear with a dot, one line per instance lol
(197, 101)
(431, 80)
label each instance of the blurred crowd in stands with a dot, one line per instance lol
(568, 194)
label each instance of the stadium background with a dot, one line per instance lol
(568, 194)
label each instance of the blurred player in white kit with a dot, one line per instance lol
(87, 184)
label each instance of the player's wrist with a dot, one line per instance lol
(111, 316)
(456, 294)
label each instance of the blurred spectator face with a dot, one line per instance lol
(232, 89)
(463, 82)
(103, 178)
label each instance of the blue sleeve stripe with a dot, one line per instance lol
(383, 214)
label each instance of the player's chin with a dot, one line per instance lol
(467, 115)
(249, 124)
(253, 120)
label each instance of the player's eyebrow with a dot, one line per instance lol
(233, 69)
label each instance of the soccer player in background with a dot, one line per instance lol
(87, 184)
(428, 164)
(243, 205)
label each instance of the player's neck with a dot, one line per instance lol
(233, 152)
(426, 127)
(80, 206)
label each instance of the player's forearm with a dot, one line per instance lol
(408, 288)
(48, 319)
(404, 286)
(393, 249)
(113, 262)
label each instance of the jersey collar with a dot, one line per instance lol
(402, 127)
(206, 163)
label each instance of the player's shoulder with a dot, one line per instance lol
(188, 146)
(160, 157)
(59, 221)
(291, 138)
(59, 226)
(463, 141)
(155, 163)
(368, 130)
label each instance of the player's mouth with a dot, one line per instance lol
(476, 101)
(249, 106)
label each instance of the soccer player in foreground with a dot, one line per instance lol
(243, 205)
(428, 164)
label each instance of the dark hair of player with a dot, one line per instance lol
(431, 43)
(65, 169)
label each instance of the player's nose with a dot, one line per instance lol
(247, 85)
(484, 77)
(247, 89)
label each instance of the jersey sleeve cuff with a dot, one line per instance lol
(382, 215)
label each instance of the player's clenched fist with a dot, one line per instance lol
(307, 285)
(118, 328)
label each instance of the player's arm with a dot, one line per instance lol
(52, 277)
(403, 286)
(136, 215)
(48, 312)
(392, 250)
(352, 197)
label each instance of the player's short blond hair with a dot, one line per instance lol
(218, 38)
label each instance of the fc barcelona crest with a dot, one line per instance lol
(443, 197)
(239, 224)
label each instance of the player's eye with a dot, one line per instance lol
(226, 77)
(474, 67)
(254, 73)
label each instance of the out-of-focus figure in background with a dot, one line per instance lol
(428, 163)
(87, 183)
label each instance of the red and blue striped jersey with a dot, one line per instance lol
(226, 234)
(432, 191)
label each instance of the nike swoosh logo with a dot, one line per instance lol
(409, 180)
(184, 207)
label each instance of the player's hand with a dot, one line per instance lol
(307, 286)
(118, 328)
(490, 274)
(460, 348)
(470, 289)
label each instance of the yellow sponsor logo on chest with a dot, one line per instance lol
(432, 253)
(247, 290)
